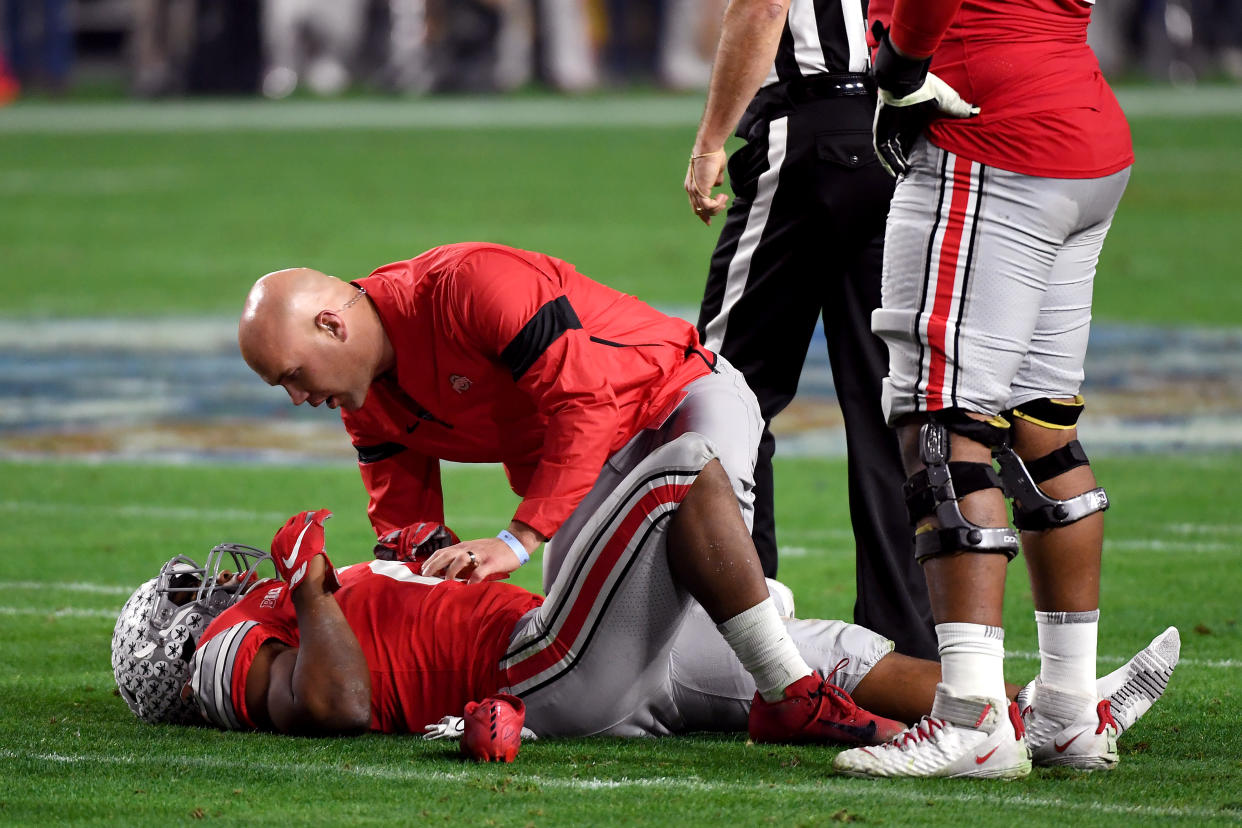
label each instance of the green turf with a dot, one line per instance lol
(70, 752)
(181, 222)
(155, 222)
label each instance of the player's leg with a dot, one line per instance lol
(961, 297)
(1058, 503)
(710, 690)
(760, 301)
(721, 407)
(594, 658)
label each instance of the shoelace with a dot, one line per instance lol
(924, 730)
(835, 697)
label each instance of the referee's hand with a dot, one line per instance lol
(706, 170)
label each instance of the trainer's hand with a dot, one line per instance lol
(909, 98)
(706, 171)
(488, 559)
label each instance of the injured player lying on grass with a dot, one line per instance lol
(377, 646)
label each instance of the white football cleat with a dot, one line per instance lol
(1069, 729)
(1129, 692)
(1136, 685)
(963, 737)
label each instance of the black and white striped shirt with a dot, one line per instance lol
(821, 36)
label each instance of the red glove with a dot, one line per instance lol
(296, 543)
(493, 729)
(414, 543)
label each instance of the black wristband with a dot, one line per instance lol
(898, 75)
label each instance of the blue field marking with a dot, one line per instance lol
(177, 390)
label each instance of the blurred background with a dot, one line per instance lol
(275, 48)
(156, 156)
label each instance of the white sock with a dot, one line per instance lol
(1067, 642)
(763, 645)
(972, 659)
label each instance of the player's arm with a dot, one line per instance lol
(323, 686)
(749, 37)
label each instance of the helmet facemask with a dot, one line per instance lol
(160, 625)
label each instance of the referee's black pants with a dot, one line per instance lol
(804, 236)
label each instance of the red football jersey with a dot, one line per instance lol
(1046, 109)
(506, 356)
(431, 645)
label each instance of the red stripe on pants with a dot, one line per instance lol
(946, 278)
(553, 651)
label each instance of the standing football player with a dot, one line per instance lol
(993, 237)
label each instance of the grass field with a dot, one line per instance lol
(105, 218)
(78, 538)
(178, 219)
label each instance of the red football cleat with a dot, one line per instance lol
(816, 710)
(493, 729)
(296, 543)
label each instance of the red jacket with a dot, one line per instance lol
(508, 356)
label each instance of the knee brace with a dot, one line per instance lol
(935, 490)
(1033, 510)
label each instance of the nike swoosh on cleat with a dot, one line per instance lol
(979, 760)
(293, 556)
(1061, 748)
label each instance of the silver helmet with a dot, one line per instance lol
(160, 625)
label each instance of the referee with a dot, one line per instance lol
(805, 236)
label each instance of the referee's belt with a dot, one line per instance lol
(778, 99)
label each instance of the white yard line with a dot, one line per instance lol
(1211, 663)
(835, 785)
(180, 512)
(63, 612)
(113, 589)
(66, 586)
(142, 512)
(26, 118)
(187, 513)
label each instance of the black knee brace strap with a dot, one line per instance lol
(965, 478)
(1068, 456)
(935, 486)
(1033, 510)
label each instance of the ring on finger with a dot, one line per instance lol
(474, 560)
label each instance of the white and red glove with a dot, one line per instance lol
(908, 99)
(297, 543)
(493, 730)
(414, 543)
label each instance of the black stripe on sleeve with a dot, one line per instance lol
(374, 454)
(786, 63)
(548, 323)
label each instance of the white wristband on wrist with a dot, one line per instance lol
(516, 545)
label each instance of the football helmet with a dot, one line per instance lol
(159, 627)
